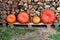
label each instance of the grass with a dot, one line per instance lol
(58, 29)
(55, 36)
(34, 38)
(6, 33)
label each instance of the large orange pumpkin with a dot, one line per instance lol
(48, 16)
(11, 18)
(36, 19)
(23, 17)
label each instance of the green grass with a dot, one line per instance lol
(55, 36)
(52, 36)
(6, 33)
(58, 29)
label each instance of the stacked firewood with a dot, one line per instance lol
(33, 7)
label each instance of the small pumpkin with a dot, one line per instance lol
(11, 18)
(23, 17)
(36, 19)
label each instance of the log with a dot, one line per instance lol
(49, 27)
(11, 25)
(29, 26)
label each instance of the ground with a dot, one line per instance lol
(41, 33)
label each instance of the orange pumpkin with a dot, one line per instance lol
(48, 16)
(36, 19)
(11, 18)
(23, 17)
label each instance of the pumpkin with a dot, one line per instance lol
(11, 18)
(36, 19)
(48, 16)
(23, 17)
